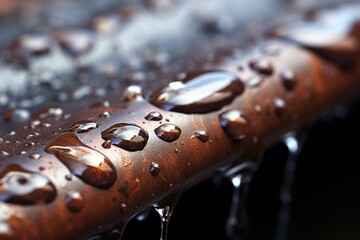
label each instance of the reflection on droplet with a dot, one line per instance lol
(55, 112)
(202, 135)
(262, 66)
(288, 79)
(83, 126)
(88, 164)
(126, 136)
(154, 116)
(75, 42)
(133, 93)
(154, 168)
(234, 124)
(279, 107)
(18, 186)
(168, 132)
(74, 201)
(199, 92)
(16, 115)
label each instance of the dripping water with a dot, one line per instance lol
(293, 145)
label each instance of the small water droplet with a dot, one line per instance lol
(74, 201)
(154, 168)
(234, 124)
(202, 135)
(88, 164)
(279, 107)
(126, 136)
(199, 92)
(83, 126)
(255, 81)
(168, 132)
(262, 66)
(288, 79)
(35, 156)
(100, 104)
(133, 93)
(55, 112)
(105, 114)
(154, 116)
(16, 115)
(22, 187)
(107, 144)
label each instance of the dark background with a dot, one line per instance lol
(326, 192)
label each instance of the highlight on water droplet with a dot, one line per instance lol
(127, 136)
(154, 116)
(279, 107)
(19, 186)
(234, 124)
(262, 66)
(168, 132)
(75, 201)
(133, 93)
(154, 169)
(288, 79)
(199, 92)
(82, 126)
(202, 135)
(88, 164)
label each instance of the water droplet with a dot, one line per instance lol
(126, 136)
(279, 107)
(22, 187)
(75, 42)
(105, 114)
(154, 168)
(16, 115)
(4, 153)
(55, 112)
(27, 46)
(133, 93)
(199, 92)
(168, 132)
(262, 66)
(100, 104)
(255, 81)
(288, 79)
(74, 201)
(83, 126)
(154, 116)
(88, 164)
(35, 156)
(107, 144)
(235, 124)
(202, 135)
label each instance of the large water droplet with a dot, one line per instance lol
(75, 201)
(126, 136)
(154, 116)
(22, 187)
(88, 164)
(235, 124)
(168, 132)
(83, 126)
(199, 92)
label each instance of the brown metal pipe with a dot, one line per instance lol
(286, 87)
